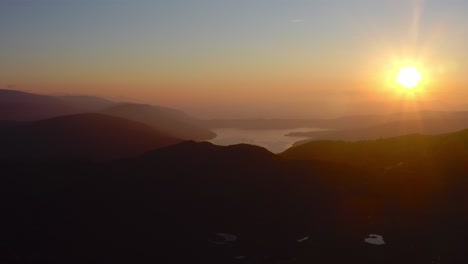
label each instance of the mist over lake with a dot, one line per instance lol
(272, 139)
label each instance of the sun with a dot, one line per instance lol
(409, 77)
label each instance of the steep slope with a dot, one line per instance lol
(80, 136)
(167, 120)
(200, 203)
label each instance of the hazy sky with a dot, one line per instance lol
(237, 58)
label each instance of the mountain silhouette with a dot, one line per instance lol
(195, 202)
(422, 152)
(22, 106)
(80, 136)
(170, 121)
(169, 205)
(97, 188)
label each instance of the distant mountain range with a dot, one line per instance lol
(341, 123)
(110, 187)
(169, 121)
(79, 136)
(22, 106)
(391, 129)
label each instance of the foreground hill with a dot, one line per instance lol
(418, 151)
(22, 106)
(80, 136)
(200, 203)
(168, 120)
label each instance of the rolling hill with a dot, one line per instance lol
(168, 120)
(22, 106)
(80, 136)
(429, 153)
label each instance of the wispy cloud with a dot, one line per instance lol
(297, 20)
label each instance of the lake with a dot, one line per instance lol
(271, 139)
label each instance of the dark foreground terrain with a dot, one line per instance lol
(200, 203)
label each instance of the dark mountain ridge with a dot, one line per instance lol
(195, 202)
(22, 106)
(93, 188)
(420, 151)
(170, 121)
(80, 136)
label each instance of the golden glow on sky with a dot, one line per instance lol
(214, 60)
(409, 77)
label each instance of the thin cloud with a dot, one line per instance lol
(297, 20)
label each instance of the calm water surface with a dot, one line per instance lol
(271, 139)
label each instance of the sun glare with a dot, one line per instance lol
(409, 77)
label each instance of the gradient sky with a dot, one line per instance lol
(237, 58)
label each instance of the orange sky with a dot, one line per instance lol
(240, 59)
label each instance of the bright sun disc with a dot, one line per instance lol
(409, 77)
